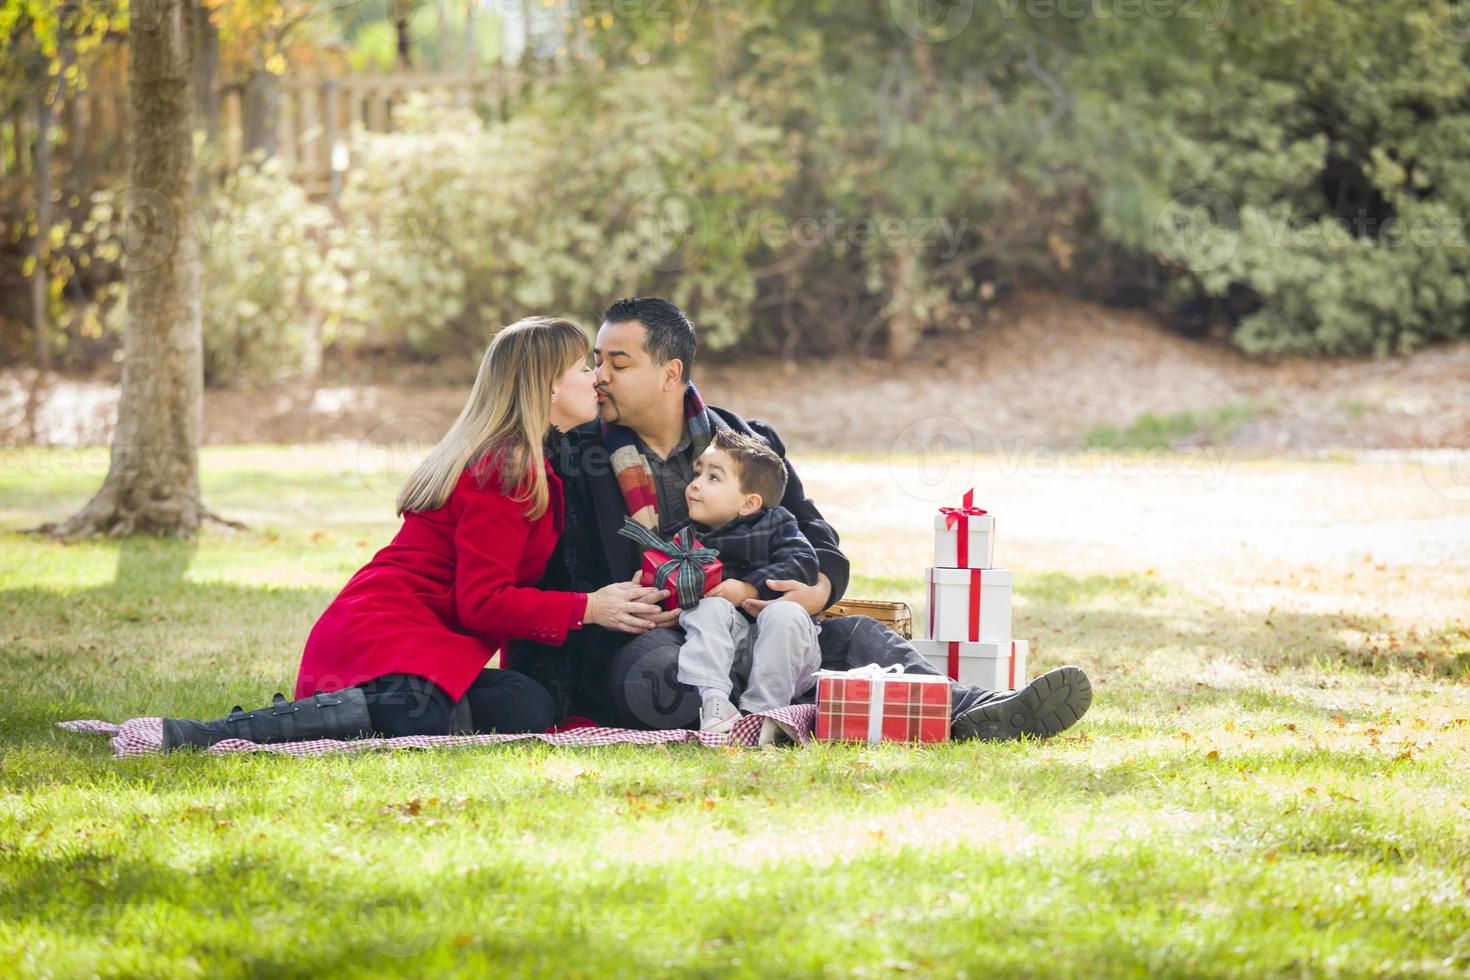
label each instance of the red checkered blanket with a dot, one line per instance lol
(141, 736)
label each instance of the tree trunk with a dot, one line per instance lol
(903, 325)
(40, 258)
(206, 72)
(41, 245)
(152, 485)
(262, 112)
(402, 18)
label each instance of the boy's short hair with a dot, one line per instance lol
(757, 467)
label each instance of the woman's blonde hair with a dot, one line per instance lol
(506, 417)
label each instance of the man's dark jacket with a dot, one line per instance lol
(591, 554)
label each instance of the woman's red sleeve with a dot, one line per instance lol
(489, 538)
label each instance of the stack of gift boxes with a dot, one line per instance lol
(968, 604)
(967, 637)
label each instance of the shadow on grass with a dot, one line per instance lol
(149, 642)
(1119, 622)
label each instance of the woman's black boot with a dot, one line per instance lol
(340, 715)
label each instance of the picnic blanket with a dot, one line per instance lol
(142, 736)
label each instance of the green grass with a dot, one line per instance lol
(1216, 426)
(1250, 795)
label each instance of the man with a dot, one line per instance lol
(636, 461)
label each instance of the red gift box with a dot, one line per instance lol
(873, 704)
(713, 573)
(688, 568)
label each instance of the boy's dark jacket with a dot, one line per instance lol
(591, 554)
(767, 544)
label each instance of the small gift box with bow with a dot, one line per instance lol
(882, 704)
(683, 566)
(972, 605)
(989, 665)
(964, 536)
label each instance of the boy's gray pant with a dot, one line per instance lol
(777, 657)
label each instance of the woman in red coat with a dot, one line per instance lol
(402, 649)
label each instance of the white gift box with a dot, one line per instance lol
(969, 604)
(992, 666)
(979, 539)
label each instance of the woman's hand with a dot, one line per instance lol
(628, 607)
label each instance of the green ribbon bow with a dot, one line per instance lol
(684, 570)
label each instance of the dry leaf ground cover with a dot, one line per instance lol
(1273, 780)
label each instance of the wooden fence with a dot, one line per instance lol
(315, 117)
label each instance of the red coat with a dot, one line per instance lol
(449, 591)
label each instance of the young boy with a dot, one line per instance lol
(732, 502)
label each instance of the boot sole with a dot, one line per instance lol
(1050, 704)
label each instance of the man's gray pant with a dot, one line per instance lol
(776, 658)
(643, 678)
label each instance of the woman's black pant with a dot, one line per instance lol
(498, 700)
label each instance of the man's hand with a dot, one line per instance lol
(734, 590)
(813, 598)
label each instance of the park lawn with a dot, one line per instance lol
(1245, 797)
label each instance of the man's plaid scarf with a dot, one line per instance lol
(635, 476)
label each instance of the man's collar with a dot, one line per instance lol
(683, 445)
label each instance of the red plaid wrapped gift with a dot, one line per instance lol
(882, 704)
(682, 565)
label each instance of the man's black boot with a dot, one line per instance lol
(1050, 704)
(340, 715)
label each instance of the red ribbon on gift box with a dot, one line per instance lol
(975, 577)
(954, 663)
(960, 517)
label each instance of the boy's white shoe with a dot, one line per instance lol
(717, 715)
(770, 733)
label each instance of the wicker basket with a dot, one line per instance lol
(897, 616)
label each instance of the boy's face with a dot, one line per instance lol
(714, 496)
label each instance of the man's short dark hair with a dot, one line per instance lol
(670, 334)
(757, 467)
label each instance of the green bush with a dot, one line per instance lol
(458, 227)
(273, 287)
(1301, 171)
(271, 283)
